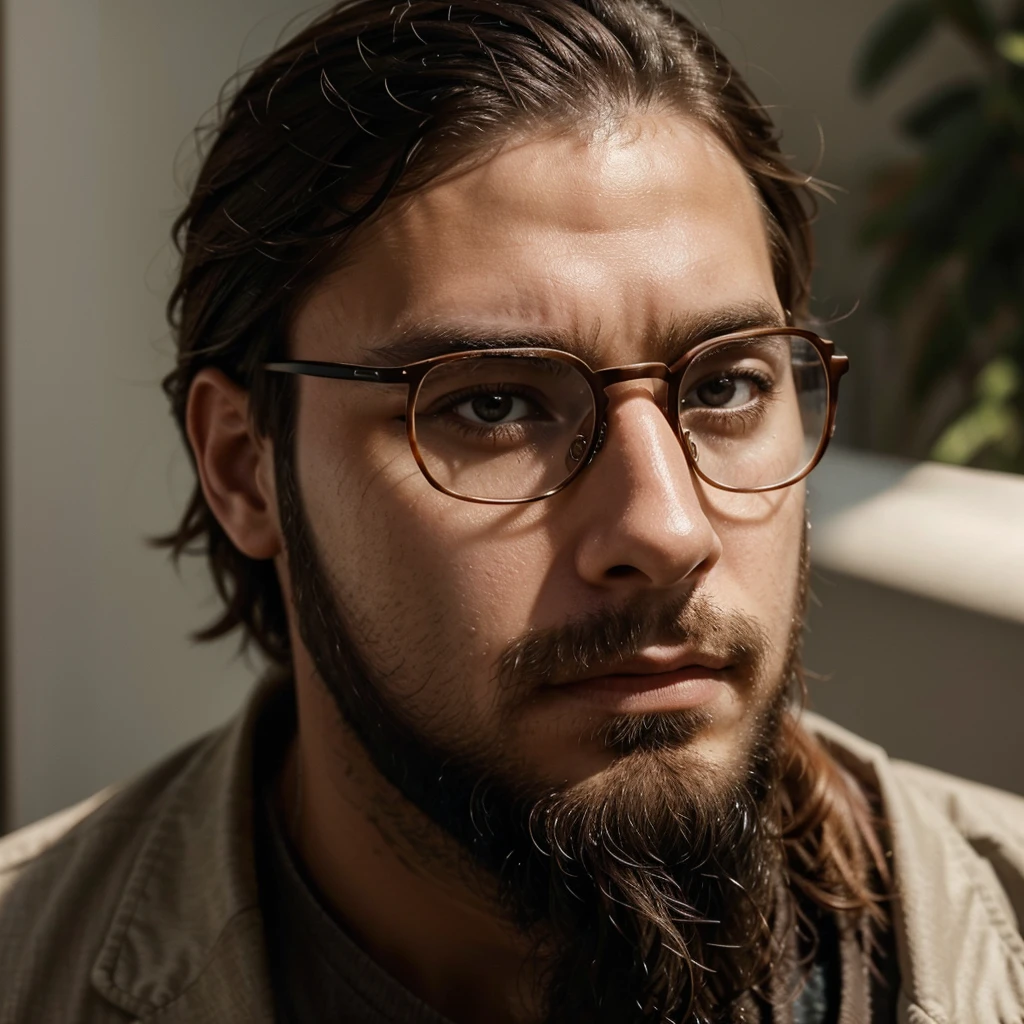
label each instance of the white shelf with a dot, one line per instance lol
(943, 532)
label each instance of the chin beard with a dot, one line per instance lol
(656, 887)
(648, 890)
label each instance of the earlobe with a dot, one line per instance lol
(235, 465)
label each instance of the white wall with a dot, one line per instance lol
(100, 95)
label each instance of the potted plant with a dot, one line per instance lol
(949, 223)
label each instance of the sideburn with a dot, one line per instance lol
(650, 900)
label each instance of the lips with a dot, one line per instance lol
(654, 663)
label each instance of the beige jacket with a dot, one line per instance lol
(141, 903)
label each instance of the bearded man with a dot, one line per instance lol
(495, 364)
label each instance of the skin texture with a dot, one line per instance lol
(617, 238)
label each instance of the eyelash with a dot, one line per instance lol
(748, 417)
(496, 431)
(765, 383)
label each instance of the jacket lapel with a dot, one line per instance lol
(961, 956)
(233, 987)
(186, 943)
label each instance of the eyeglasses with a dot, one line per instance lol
(753, 411)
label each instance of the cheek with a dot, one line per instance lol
(759, 572)
(432, 587)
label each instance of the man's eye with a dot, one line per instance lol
(496, 408)
(724, 392)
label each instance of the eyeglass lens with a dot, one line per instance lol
(756, 409)
(503, 427)
(516, 427)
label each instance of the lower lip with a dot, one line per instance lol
(663, 691)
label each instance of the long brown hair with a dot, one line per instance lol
(374, 100)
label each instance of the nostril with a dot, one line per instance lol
(618, 572)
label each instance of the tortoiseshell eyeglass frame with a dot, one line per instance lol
(412, 374)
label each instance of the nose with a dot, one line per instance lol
(643, 524)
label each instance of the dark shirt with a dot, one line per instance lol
(319, 975)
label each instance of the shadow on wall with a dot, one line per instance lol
(929, 682)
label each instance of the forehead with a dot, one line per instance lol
(613, 237)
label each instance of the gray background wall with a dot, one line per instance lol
(100, 99)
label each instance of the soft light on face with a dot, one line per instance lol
(614, 240)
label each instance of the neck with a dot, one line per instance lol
(404, 894)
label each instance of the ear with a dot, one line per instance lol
(236, 466)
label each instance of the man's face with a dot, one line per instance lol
(617, 240)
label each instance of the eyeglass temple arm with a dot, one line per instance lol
(839, 363)
(342, 371)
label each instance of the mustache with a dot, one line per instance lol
(601, 640)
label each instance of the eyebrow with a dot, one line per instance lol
(425, 341)
(691, 329)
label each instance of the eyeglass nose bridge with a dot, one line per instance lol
(636, 371)
(604, 379)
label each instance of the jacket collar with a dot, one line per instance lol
(187, 937)
(961, 956)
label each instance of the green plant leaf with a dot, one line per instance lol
(981, 427)
(999, 381)
(1011, 46)
(950, 225)
(972, 18)
(990, 423)
(891, 40)
(935, 111)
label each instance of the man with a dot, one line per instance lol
(494, 365)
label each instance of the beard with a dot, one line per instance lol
(650, 889)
